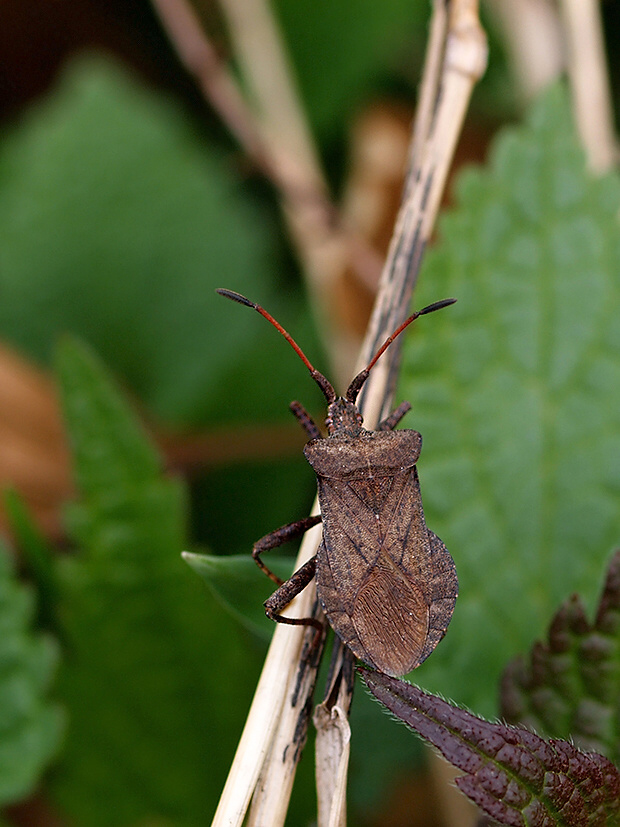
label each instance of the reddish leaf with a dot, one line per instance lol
(571, 685)
(512, 774)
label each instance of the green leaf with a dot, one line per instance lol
(240, 586)
(38, 557)
(31, 725)
(157, 674)
(516, 392)
(117, 222)
(514, 775)
(570, 688)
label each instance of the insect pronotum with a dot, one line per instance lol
(387, 584)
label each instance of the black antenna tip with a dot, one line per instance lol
(236, 297)
(435, 306)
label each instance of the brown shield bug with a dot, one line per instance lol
(387, 584)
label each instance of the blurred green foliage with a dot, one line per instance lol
(31, 726)
(517, 394)
(154, 673)
(116, 224)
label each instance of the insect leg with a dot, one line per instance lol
(307, 423)
(279, 537)
(391, 421)
(287, 591)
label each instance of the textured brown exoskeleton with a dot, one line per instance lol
(387, 584)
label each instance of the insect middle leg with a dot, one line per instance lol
(391, 421)
(279, 537)
(287, 591)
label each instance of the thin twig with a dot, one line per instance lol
(275, 687)
(544, 38)
(333, 737)
(587, 72)
(215, 81)
(464, 55)
(429, 85)
(463, 60)
(532, 35)
(273, 791)
(268, 73)
(276, 138)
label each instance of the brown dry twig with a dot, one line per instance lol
(273, 132)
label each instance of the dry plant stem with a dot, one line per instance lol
(216, 83)
(269, 76)
(222, 91)
(463, 62)
(324, 245)
(276, 138)
(587, 71)
(532, 34)
(275, 783)
(332, 748)
(429, 85)
(464, 55)
(275, 686)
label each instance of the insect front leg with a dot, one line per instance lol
(391, 421)
(279, 537)
(306, 421)
(287, 591)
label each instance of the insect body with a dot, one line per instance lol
(387, 584)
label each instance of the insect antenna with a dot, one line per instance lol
(356, 385)
(323, 383)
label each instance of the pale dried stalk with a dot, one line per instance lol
(275, 136)
(268, 75)
(543, 41)
(326, 248)
(464, 55)
(587, 71)
(220, 88)
(275, 686)
(332, 764)
(215, 81)
(463, 62)
(273, 791)
(429, 86)
(532, 33)
(333, 738)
